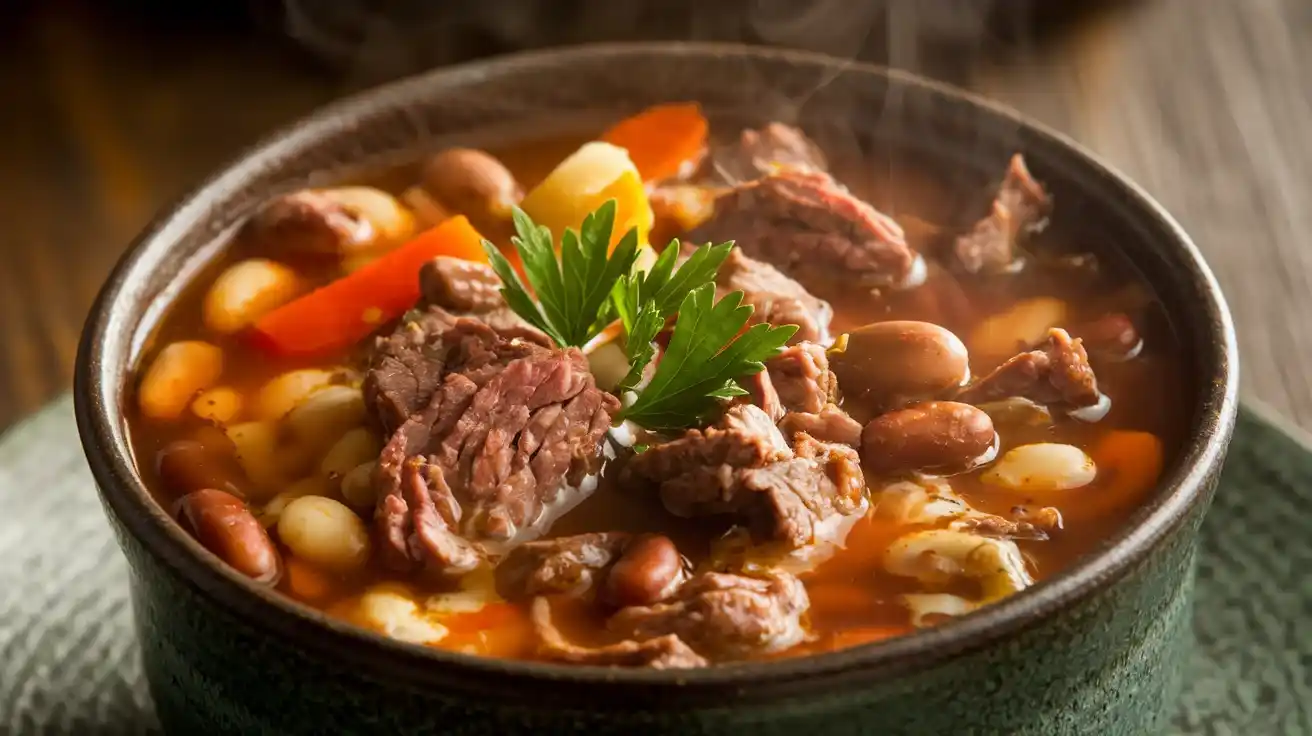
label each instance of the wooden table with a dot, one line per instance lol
(1205, 103)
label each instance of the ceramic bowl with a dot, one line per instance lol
(1096, 649)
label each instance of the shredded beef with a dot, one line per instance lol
(812, 229)
(561, 566)
(1057, 373)
(1020, 206)
(830, 424)
(756, 153)
(723, 616)
(508, 434)
(801, 376)
(661, 652)
(775, 298)
(743, 465)
(998, 527)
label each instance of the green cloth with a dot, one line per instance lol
(68, 660)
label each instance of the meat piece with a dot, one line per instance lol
(1057, 373)
(500, 445)
(764, 151)
(831, 424)
(460, 286)
(761, 393)
(662, 652)
(812, 229)
(562, 566)
(723, 616)
(775, 298)
(801, 376)
(997, 527)
(744, 466)
(1021, 206)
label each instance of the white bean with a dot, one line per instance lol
(178, 373)
(220, 404)
(1021, 327)
(357, 487)
(1043, 466)
(937, 556)
(261, 455)
(246, 291)
(324, 532)
(309, 486)
(390, 610)
(356, 447)
(280, 394)
(315, 423)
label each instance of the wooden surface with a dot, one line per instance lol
(1205, 103)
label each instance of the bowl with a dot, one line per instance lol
(1096, 649)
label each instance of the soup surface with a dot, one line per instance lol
(606, 462)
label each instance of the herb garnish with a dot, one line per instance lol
(584, 288)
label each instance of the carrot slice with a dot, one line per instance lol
(663, 139)
(1129, 466)
(334, 317)
(305, 582)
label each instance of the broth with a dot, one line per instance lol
(853, 597)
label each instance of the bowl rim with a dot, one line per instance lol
(100, 423)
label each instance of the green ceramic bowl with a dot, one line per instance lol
(1095, 650)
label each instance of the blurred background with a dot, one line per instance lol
(108, 110)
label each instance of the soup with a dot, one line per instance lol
(486, 402)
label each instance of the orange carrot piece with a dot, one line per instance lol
(334, 317)
(489, 617)
(866, 634)
(1129, 464)
(662, 139)
(306, 582)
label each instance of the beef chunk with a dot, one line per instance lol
(562, 566)
(460, 286)
(775, 298)
(801, 376)
(1020, 207)
(723, 616)
(507, 437)
(761, 394)
(830, 424)
(744, 466)
(767, 150)
(812, 229)
(662, 652)
(1057, 373)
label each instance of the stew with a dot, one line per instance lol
(486, 402)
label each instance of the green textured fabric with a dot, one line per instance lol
(68, 661)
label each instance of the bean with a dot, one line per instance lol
(224, 526)
(1111, 336)
(178, 373)
(281, 393)
(391, 221)
(323, 417)
(472, 182)
(262, 456)
(311, 485)
(939, 436)
(220, 404)
(355, 447)
(886, 364)
(357, 487)
(187, 466)
(330, 222)
(246, 291)
(324, 532)
(1042, 466)
(1021, 327)
(647, 569)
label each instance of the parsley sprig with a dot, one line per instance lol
(577, 292)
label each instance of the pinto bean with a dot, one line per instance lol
(1112, 336)
(939, 436)
(882, 365)
(186, 466)
(647, 569)
(472, 182)
(223, 524)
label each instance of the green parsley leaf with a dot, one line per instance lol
(573, 288)
(705, 356)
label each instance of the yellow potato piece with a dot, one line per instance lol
(582, 183)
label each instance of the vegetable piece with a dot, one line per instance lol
(305, 581)
(1130, 463)
(572, 290)
(245, 291)
(708, 351)
(179, 372)
(662, 140)
(581, 183)
(334, 317)
(325, 533)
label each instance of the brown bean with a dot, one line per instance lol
(884, 365)
(472, 182)
(1111, 336)
(308, 222)
(939, 436)
(185, 466)
(224, 526)
(646, 570)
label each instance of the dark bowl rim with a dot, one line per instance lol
(99, 419)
